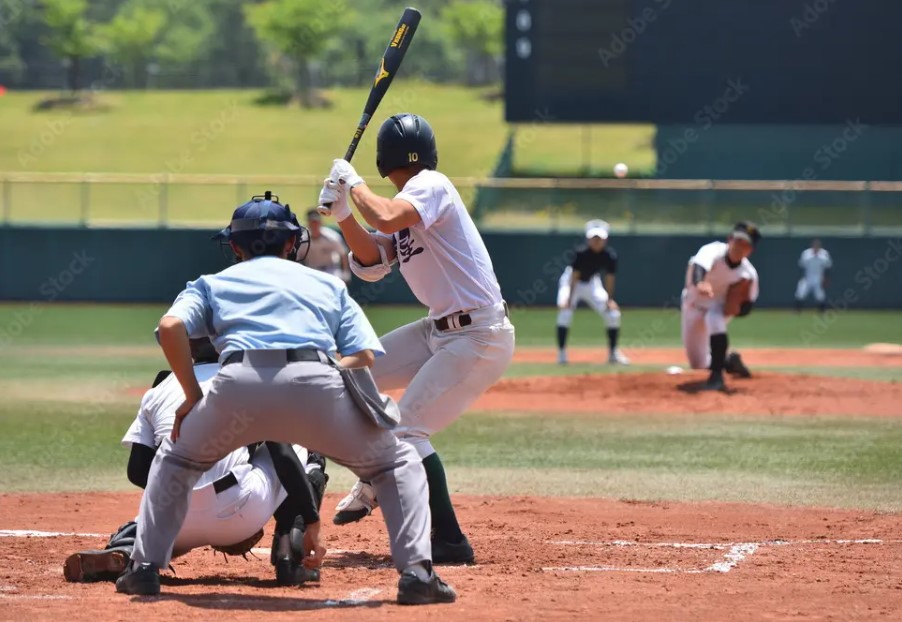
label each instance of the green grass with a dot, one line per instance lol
(70, 374)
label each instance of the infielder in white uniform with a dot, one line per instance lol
(326, 252)
(815, 263)
(581, 281)
(446, 360)
(710, 273)
(230, 504)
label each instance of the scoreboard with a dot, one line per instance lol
(679, 61)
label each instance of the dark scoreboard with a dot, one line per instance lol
(687, 61)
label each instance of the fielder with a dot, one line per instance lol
(276, 324)
(709, 275)
(581, 281)
(327, 251)
(815, 263)
(230, 503)
(463, 346)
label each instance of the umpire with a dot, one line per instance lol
(275, 323)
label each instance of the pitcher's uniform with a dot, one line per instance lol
(703, 316)
(449, 358)
(236, 497)
(814, 265)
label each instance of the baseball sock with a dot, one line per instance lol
(444, 521)
(822, 307)
(562, 337)
(613, 334)
(719, 344)
(798, 305)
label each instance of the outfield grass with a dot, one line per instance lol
(70, 380)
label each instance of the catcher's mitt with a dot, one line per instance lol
(240, 548)
(737, 294)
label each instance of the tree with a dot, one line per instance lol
(73, 36)
(299, 30)
(130, 38)
(478, 27)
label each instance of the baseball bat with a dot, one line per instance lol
(385, 73)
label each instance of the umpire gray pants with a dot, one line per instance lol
(263, 398)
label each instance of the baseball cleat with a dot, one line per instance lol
(359, 503)
(140, 580)
(715, 382)
(450, 553)
(413, 591)
(736, 367)
(104, 565)
(562, 357)
(617, 357)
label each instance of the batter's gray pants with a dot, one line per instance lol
(263, 398)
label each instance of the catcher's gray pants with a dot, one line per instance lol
(263, 398)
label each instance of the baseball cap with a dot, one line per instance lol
(748, 231)
(261, 213)
(597, 229)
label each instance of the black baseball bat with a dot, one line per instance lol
(388, 67)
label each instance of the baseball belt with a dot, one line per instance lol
(297, 355)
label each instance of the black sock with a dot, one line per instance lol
(562, 337)
(613, 334)
(798, 305)
(822, 307)
(444, 521)
(719, 344)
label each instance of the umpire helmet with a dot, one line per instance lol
(404, 140)
(263, 225)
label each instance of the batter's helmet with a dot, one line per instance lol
(263, 223)
(404, 140)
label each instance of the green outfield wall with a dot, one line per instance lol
(152, 265)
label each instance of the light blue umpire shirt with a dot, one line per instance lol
(267, 303)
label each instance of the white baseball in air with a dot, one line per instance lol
(621, 170)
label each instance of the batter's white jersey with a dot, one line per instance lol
(443, 258)
(815, 264)
(223, 518)
(713, 258)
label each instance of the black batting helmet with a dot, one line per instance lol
(404, 140)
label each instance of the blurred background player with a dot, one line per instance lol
(815, 263)
(581, 281)
(327, 252)
(711, 272)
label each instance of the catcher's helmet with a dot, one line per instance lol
(404, 140)
(263, 222)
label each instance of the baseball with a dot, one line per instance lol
(621, 170)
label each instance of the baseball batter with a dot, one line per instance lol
(275, 324)
(815, 263)
(709, 275)
(581, 282)
(463, 346)
(327, 251)
(230, 503)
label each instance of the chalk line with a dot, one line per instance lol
(28, 533)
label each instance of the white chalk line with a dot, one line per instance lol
(28, 533)
(357, 597)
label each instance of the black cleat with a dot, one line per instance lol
(412, 591)
(736, 367)
(140, 580)
(715, 382)
(287, 554)
(450, 553)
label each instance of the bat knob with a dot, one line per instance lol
(325, 210)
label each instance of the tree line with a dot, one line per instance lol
(292, 45)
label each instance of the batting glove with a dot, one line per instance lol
(333, 200)
(344, 172)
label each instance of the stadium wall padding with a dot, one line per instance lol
(152, 265)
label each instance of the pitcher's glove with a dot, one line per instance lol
(737, 295)
(240, 548)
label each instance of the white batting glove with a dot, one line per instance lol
(344, 172)
(333, 200)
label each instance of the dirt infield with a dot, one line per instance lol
(538, 559)
(767, 393)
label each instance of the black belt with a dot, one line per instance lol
(444, 323)
(225, 482)
(298, 355)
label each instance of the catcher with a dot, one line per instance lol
(721, 283)
(230, 503)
